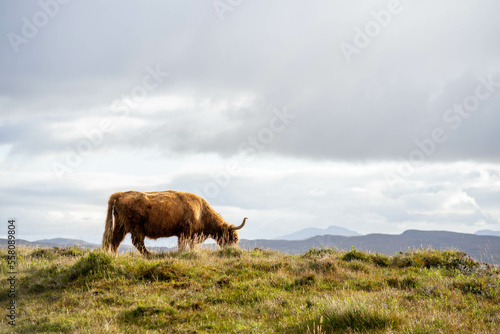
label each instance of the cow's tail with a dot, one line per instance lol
(107, 237)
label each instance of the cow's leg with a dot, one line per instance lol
(138, 241)
(118, 236)
(196, 240)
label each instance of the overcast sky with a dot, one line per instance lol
(376, 116)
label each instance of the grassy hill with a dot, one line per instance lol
(256, 291)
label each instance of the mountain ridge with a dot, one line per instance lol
(488, 232)
(482, 248)
(314, 231)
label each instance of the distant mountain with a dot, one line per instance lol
(312, 232)
(482, 248)
(488, 232)
(63, 242)
(24, 243)
(60, 242)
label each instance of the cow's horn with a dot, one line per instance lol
(241, 226)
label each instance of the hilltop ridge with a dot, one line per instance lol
(481, 247)
(71, 290)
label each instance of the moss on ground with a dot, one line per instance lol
(71, 290)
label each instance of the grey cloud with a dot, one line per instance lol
(374, 108)
(281, 54)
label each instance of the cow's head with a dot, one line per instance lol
(230, 236)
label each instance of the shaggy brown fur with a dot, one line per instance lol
(164, 214)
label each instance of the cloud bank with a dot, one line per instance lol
(166, 95)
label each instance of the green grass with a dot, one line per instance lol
(257, 291)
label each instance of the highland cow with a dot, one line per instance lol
(164, 214)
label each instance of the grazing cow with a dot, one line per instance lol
(164, 214)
